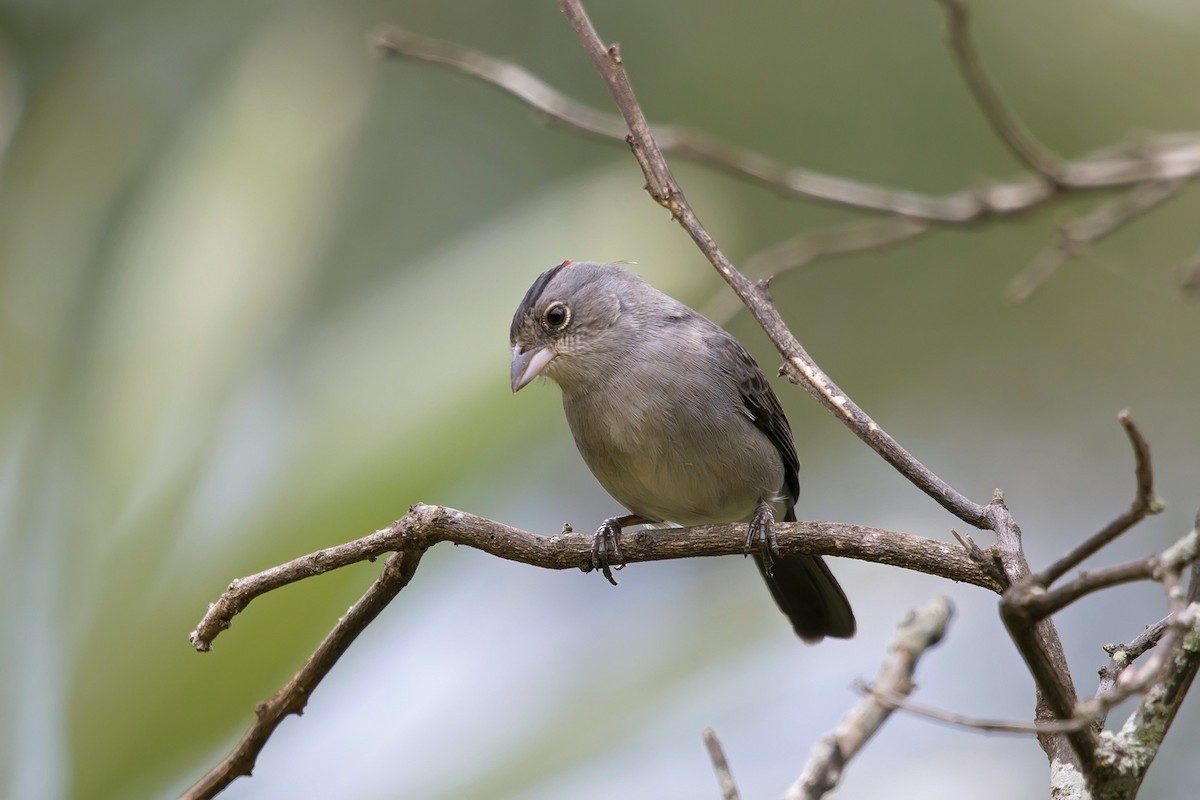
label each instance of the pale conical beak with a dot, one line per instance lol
(526, 364)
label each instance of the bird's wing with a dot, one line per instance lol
(762, 406)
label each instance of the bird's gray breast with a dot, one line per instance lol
(675, 443)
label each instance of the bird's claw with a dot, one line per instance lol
(760, 535)
(606, 549)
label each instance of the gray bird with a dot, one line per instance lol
(675, 419)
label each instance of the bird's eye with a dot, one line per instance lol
(556, 316)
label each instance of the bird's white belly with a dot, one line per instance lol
(687, 480)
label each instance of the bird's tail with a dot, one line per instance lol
(808, 594)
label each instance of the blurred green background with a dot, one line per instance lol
(254, 295)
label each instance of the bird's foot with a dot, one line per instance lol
(760, 535)
(606, 548)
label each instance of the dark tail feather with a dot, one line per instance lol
(808, 594)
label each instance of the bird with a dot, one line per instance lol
(675, 420)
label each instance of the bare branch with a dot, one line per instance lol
(921, 629)
(1157, 157)
(512, 78)
(971, 723)
(1054, 600)
(1040, 647)
(425, 526)
(1120, 680)
(1079, 234)
(1006, 125)
(293, 697)
(791, 181)
(1145, 502)
(716, 754)
(1160, 157)
(1162, 679)
(1140, 737)
(1025, 608)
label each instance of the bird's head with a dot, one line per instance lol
(577, 324)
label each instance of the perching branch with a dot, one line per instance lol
(921, 629)
(425, 526)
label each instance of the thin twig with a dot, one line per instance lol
(1076, 236)
(293, 697)
(921, 629)
(1145, 502)
(1140, 738)
(968, 722)
(1161, 157)
(425, 526)
(1043, 604)
(1008, 128)
(716, 754)
(1141, 678)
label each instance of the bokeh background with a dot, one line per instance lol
(255, 287)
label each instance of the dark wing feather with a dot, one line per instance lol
(763, 407)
